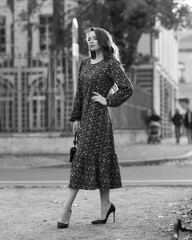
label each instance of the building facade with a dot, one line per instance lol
(30, 98)
(160, 75)
(185, 70)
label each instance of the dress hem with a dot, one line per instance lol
(96, 188)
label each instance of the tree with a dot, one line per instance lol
(34, 6)
(127, 20)
(58, 44)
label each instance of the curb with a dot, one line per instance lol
(157, 161)
(132, 163)
(135, 163)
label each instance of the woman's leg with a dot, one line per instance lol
(105, 202)
(68, 204)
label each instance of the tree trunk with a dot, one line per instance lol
(129, 53)
(58, 44)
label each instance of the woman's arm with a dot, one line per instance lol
(125, 87)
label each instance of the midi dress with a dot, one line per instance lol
(95, 165)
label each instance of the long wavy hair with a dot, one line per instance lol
(104, 38)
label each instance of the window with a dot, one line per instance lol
(2, 35)
(45, 31)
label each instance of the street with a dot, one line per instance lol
(144, 175)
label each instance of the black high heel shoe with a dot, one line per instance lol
(103, 221)
(62, 224)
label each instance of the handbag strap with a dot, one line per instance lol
(75, 139)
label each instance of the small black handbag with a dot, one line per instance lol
(73, 149)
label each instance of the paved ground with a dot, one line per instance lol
(132, 154)
(147, 213)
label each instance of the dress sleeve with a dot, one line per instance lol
(77, 106)
(125, 87)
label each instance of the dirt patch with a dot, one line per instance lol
(145, 213)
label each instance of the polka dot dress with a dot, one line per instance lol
(95, 165)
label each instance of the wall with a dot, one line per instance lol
(185, 58)
(185, 53)
(29, 143)
(166, 51)
(20, 33)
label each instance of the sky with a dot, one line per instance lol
(189, 2)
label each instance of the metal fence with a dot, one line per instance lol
(35, 93)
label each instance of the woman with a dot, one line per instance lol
(95, 165)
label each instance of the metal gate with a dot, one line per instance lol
(31, 98)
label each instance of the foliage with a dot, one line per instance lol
(10, 3)
(127, 20)
(33, 6)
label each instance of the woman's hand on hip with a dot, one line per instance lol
(76, 126)
(99, 98)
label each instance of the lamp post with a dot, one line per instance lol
(75, 53)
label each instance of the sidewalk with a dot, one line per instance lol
(43, 152)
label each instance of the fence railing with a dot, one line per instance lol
(35, 93)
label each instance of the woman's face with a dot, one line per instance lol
(92, 41)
